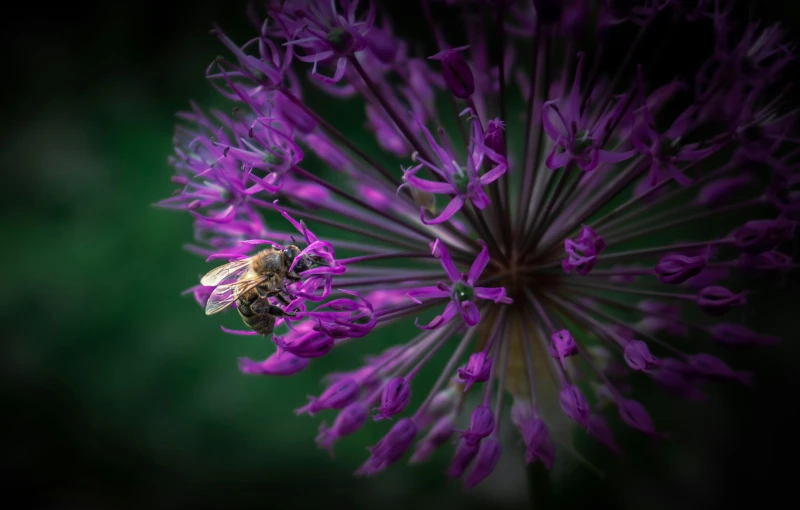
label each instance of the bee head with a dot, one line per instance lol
(290, 252)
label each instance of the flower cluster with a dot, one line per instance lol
(533, 234)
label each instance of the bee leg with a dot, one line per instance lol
(264, 307)
(244, 309)
(284, 298)
(277, 311)
(262, 293)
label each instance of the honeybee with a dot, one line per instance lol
(252, 281)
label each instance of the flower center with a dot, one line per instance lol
(271, 157)
(461, 180)
(342, 41)
(463, 292)
(582, 144)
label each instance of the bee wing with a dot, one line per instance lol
(221, 273)
(227, 293)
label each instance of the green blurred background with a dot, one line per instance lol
(120, 393)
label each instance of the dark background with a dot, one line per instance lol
(119, 393)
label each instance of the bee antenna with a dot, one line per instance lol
(293, 241)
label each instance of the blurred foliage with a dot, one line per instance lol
(120, 393)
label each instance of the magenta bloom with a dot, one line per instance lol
(549, 230)
(461, 291)
(578, 137)
(466, 182)
(583, 251)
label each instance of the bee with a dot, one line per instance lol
(250, 282)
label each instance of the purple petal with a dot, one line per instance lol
(453, 207)
(478, 265)
(439, 250)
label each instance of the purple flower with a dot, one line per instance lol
(720, 191)
(538, 445)
(325, 33)
(440, 433)
(638, 357)
(713, 367)
(456, 72)
(481, 424)
(675, 269)
(478, 369)
(666, 151)
(563, 345)
(349, 420)
(717, 300)
(464, 182)
(578, 138)
(635, 415)
(465, 453)
(493, 137)
(583, 251)
(394, 399)
(485, 462)
(736, 335)
(574, 404)
(451, 219)
(390, 448)
(339, 395)
(764, 262)
(308, 344)
(278, 364)
(598, 429)
(461, 291)
(763, 235)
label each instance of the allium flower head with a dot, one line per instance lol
(551, 225)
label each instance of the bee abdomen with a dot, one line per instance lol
(260, 323)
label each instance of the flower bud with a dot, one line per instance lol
(481, 424)
(598, 429)
(763, 235)
(736, 335)
(583, 251)
(764, 262)
(280, 363)
(676, 269)
(713, 367)
(709, 276)
(493, 138)
(443, 403)
(717, 301)
(456, 72)
(488, 457)
(440, 433)
(478, 369)
(390, 448)
(638, 356)
(394, 399)
(563, 345)
(672, 376)
(719, 191)
(338, 395)
(538, 445)
(465, 452)
(635, 415)
(348, 421)
(313, 344)
(574, 404)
